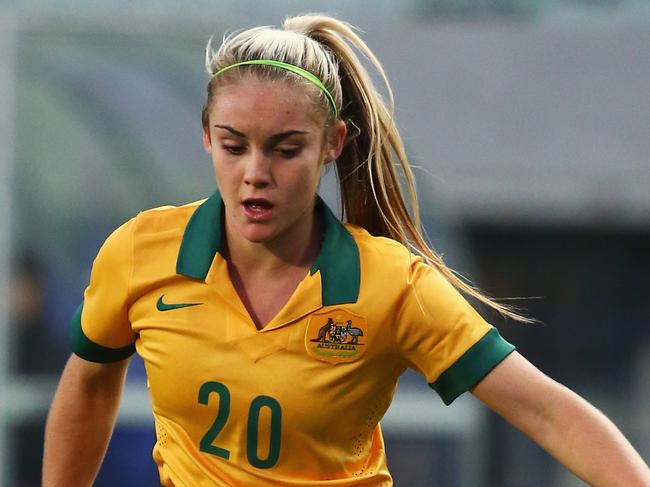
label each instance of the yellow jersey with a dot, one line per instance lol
(299, 402)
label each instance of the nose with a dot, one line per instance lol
(258, 170)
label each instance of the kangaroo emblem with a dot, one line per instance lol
(322, 332)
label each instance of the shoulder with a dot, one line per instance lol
(383, 254)
(151, 226)
(165, 218)
(370, 244)
(388, 261)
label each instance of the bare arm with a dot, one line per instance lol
(564, 424)
(81, 421)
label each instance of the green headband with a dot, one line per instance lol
(289, 67)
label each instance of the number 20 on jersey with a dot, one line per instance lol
(207, 443)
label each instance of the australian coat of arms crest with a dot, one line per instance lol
(336, 336)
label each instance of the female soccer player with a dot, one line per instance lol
(273, 335)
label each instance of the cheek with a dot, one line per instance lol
(225, 176)
(306, 179)
(217, 170)
(316, 165)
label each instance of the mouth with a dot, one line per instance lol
(257, 208)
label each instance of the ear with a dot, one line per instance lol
(336, 140)
(207, 143)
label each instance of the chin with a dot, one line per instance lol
(258, 233)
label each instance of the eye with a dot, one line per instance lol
(288, 152)
(235, 150)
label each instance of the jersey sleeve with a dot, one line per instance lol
(100, 330)
(443, 337)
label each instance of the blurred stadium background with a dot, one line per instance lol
(529, 121)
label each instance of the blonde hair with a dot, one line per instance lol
(371, 194)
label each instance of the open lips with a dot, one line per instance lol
(257, 208)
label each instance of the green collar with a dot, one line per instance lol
(338, 260)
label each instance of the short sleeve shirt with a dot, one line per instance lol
(298, 402)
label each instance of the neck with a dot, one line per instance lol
(297, 248)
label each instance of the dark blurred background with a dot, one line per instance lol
(529, 124)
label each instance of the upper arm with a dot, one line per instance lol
(520, 393)
(93, 378)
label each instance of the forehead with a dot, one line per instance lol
(251, 104)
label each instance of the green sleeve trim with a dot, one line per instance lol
(472, 366)
(85, 348)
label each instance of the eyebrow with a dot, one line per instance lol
(275, 137)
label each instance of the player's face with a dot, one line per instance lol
(268, 144)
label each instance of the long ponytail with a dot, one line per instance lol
(371, 193)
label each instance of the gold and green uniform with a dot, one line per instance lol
(299, 402)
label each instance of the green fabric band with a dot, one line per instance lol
(289, 67)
